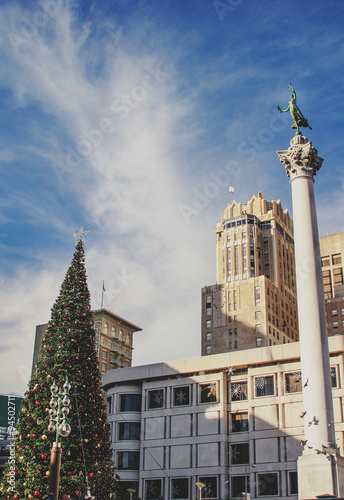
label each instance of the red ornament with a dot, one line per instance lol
(38, 403)
(91, 474)
(43, 456)
(69, 473)
(34, 435)
(77, 492)
(36, 493)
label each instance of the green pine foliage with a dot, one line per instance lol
(67, 350)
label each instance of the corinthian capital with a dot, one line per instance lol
(300, 159)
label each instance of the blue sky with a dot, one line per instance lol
(131, 118)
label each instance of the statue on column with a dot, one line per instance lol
(298, 119)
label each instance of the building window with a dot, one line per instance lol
(235, 318)
(258, 328)
(239, 422)
(113, 332)
(208, 305)
(103, 367)
(229, 319)
(336, 259)
(112, 358)
(239, 391)
(236, 344)
(239, 454)
(240, 484)
(208, 349)
(156, 399)
(230, 345)
(104, 342)
(342, 312)
(334, 377)
(104, 355)
(229, 300)
(235, 331)
(210, 490)
(293, 490)
(129, 431)
(230, 331)
(257, 315)
(265, 386)
(208, 336)
(257, 296)
(208, 393)
(334, 312)
(128, 460)
(109, 405)
(180, 488)
(235, 304)
(208, 323)
(181, 396)
(153, 489)
(106, 328)
(259, 341)
(268, 484)
(130, 402)
(335, 324)
(293, 382)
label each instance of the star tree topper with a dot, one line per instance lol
(80, 235)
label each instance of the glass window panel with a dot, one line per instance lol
(239, 422)
(180, 487)
(239, 391)
(265, 386)
(210, 490)
(239, 453)
(130, 402)
(181, 396)
(156, 399)
(240, 484)
(153, 489)
(268, 484)
(293, 382)
(128, 460)
(208, 393)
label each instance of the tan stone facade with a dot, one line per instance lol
(332, 261)
(114, 340)
(253, 303)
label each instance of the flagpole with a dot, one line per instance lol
(101, 306)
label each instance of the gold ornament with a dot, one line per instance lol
(44, 437)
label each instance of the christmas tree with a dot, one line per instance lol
(67, 351)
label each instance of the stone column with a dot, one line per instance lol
(320, 468)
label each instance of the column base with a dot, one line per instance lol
(317, 475)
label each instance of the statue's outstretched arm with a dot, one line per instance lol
(282, 110)
(292, 90)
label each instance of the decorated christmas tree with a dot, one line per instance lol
(67, 351)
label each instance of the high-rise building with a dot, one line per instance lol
(114, 340)
(332, 259)
(253, 303)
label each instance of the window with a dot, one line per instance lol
(342, 312)
(208, 323)
(239, 453)
(257, 296)
(257, 315)
(268, 484)
(235, 304)
(335, 324)
(208, 393)
(240, 484)
(334, 312)
(235, 331)
(258, 328)
(208, 336)
(153, 489)
(129, 431)
(236, 344)
(229, 319)
(103, 366)
(239, 422)
(230, 345)
(229, 300)
(113, 332)
(293, 382)
(239, 391)
(230, 331)
(334, 377)
(259, 341)
(265, 386)
(210, 490)
(112, 358)
(180, 487)
(130, 402)
(109, 405)
(104, 342)
(128, 460)
(181, 396)
(336, 259)
(208, 349)
(293, 490)
(156, 399)
(235, 318)
(104, 355)
(325, 261)
(106, 328)
(208, 305)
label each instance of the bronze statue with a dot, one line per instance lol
(298, 119)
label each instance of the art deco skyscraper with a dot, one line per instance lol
(253, 303)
